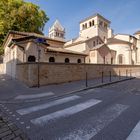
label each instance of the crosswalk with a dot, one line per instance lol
(73, 106)
(33, 96)
(66, 112)
(46, 105)
(135, 134)
(95, 124)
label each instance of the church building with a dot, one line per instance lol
(96, 44)
(96, 38)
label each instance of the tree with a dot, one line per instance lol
(19, 15)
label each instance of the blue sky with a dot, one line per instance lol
(123, 14)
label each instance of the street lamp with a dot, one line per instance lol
(39, 41)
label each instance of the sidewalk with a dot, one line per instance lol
(9, 131)
(11, 88)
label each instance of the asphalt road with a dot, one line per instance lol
(108, 113)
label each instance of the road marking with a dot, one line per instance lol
(28, 127)
(95, 124)
(21, 122)
(17, 119)
(135, 134)
(46, 105)
(32, 96)
(64, 113)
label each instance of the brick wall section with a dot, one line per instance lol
(55, 73)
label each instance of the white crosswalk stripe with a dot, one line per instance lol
(33, 96)
(65, 112)
(32, 109)
(135, 134)
(86, 130)
(96, 123)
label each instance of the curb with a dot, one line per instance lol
(68, 93)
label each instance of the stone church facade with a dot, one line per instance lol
(96, 38)
(96, 44)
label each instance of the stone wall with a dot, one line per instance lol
(1, 68)
(51, 73)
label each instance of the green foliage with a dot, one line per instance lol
(19, 15)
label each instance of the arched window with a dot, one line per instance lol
(31, 58)
(51, 59)
(90, 24)
(120, 59)
(85, 25)
(67, 60)
(97, 41)
(79, 61)
(111, 60)
(94, 44)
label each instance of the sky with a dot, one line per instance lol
(123, 14)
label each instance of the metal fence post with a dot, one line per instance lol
(102, 76)
(86, 79)
(126, 73)
(110, 76)
(119, 74)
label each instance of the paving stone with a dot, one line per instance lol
(5, 125)
(13, 127)
(17, 138)
(5, 133)
(3, 129)
(9, 137)
(2, 123)
(18, 132)
(9, 131)
(24, 137)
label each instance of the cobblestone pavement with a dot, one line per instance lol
(9, 131)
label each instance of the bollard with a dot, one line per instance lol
(102, 76)
(86, 79)
(126, 73)
(119, 74)
(110, 76)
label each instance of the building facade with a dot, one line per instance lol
(96, 44)
(95, 33)
(20, 47)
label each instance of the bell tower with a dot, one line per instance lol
(57, 31)
(95, 25)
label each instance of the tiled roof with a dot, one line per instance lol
(62, 50)
(26, 34)
(33, 34)
(94, 15)
(114, 40)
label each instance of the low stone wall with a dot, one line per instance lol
(1, 68)
(54, 73)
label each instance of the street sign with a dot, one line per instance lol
(40, 40)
